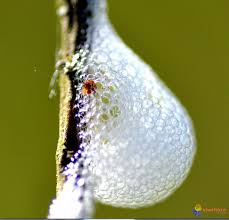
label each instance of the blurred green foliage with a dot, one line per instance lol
(186, 42)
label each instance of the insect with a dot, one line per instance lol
(125, 146)
(89, 87)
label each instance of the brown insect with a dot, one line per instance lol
(89, 87)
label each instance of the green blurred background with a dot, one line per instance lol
(186, 42)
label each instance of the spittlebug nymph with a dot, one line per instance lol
(89, 87)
